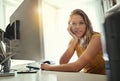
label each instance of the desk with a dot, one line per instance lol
(55, 76)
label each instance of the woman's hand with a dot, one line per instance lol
(45, 66)
(71, 33)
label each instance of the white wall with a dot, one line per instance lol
(7, 7)
(2, 15)
(50, 31)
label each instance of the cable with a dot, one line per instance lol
(7, 57)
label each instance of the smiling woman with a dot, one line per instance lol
(87, 44)
(55, 22)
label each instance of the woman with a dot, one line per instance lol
(87, 45)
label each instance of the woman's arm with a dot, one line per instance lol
(71, 48)
(68, 53)
(89, 54)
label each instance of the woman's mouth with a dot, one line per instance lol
(78, 31)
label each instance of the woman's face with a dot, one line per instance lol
(78, 26)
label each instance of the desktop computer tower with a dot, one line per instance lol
(112, 37)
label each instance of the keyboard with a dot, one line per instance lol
(30, 67)
(27, 68)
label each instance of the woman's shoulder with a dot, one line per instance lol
(96, 34)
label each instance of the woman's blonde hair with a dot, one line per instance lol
(89, 30)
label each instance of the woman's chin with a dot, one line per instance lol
(79, 36)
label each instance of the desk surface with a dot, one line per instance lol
(55, 76)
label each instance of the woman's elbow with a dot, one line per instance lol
(76, 68)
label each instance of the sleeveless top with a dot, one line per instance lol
(96, 65)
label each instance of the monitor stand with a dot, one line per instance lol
(5, 74)
(5, 69)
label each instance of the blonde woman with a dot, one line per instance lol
(87, 45)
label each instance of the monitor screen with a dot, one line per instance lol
(112, 35)
(26, 24)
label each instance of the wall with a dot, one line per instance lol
(2, 20)
(7, 7)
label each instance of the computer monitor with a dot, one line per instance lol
(112, 35)
(26, 25)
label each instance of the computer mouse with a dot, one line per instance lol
(48, 62)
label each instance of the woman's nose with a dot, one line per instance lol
(77, 26)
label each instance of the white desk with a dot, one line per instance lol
(55, 76)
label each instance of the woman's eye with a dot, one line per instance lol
(74, 24)
(82, 22)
